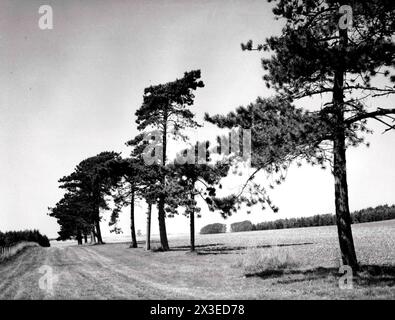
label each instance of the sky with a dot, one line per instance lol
(71, 92)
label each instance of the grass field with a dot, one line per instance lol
(278, 264)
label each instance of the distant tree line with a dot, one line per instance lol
(379, 213)
(383, 212)
(302, 222)
(12, 237)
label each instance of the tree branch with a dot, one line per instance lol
(367, 115)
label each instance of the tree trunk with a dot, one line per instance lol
(98, 232)
(192, 228)
(96, 210)
(85, 238)
(79, 237)
(148, 235)
(93, 236)
(343, 217)
(162, 224)
(161, 204)
(132, 228)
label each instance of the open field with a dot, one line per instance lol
(114, 271)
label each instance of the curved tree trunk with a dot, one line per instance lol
(148, 235)
(343, 217)
(132, 227)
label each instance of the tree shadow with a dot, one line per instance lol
(201, 247)
(379, 275)
(220, 248)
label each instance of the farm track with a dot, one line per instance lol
(82, 273)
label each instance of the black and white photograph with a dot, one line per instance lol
(218, 151)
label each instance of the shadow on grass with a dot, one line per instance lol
(231, 249)
(201, 246)
(220, 248)
(381, 275)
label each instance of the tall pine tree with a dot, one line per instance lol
(165, 108)
(334, 49)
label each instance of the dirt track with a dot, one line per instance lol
(82, 273)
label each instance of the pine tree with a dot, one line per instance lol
(92, 178)
(133, 180)
(74, 215)
(325, 50)
(165, 109)
(195, 175)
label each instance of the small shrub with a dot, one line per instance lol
(213, 228)
(256, 260)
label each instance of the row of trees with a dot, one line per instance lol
(312, 56)
(172, 186)
(12, 237)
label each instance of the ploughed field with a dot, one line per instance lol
(226, 266)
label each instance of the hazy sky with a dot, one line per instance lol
(71, 92)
